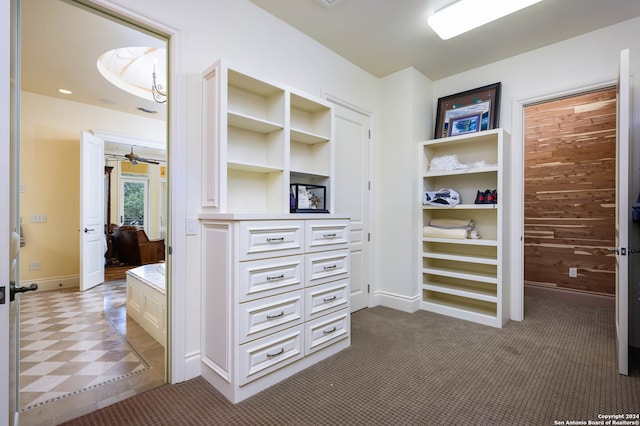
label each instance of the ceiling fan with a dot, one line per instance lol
(135, 158)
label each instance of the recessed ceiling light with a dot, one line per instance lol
(464, 15)
(65, 91)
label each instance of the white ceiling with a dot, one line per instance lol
(59, 47)
(384, 36)
(60, 43)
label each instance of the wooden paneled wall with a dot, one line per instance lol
(569, 192)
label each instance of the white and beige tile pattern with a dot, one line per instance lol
(67, 345)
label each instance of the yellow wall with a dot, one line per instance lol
(50, 174)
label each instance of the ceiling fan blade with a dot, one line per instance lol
(147, 160)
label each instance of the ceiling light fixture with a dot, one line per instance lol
(329, 3)
(140, 71)
(65, 91)
(465, 15)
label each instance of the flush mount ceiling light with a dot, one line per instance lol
(329, 3)
(141, 71)
(465, 15)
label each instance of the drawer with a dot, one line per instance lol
(267, 277)
(326, 266)
(266, 355)
(326, 298)
(261, 239)
(327, 330)
(321, 235)
(265, 316)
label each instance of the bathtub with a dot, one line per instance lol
(146, 299)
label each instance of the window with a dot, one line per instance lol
(134, 201)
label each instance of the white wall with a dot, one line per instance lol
(577, 63)
(407, 118)
(247, 37)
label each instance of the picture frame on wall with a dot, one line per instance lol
(483, 101)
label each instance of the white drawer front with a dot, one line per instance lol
(324, 299)
(265, 316)
(273, 238)
(323, 235)
(267, 277)
(327, 330)
(326, 266)
(265, 355)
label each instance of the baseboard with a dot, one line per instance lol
(591, 299)
(58, 283)
(397, 302)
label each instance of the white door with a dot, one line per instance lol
(622, 215)
(352, 139)
(92, 237)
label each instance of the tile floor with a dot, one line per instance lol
(74, 357)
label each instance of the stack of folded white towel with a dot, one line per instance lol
(459, 229)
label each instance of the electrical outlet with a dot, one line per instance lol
(573, 272)
(38, 218)
(35, 265)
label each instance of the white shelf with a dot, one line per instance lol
(308, 138)
(486, 296)
(488, 169)
(252, 123)
(252, 167)
(469, 276)
(458, 258)
(467, 241)
(464, 277)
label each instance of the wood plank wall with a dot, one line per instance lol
(569, 192)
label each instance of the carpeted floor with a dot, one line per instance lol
(426, 369)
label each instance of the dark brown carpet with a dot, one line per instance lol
(426, 369)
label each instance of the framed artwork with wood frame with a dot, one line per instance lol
(484, 101)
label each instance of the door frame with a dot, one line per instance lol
(176, 181)
(517, 175)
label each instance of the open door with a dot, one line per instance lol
(92, 234)
(622, 215)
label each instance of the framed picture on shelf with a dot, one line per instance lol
(465, 124)
(484, 101)
(306, 198)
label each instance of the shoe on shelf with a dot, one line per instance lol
(495, 196)
(489, 197)
(480, 198)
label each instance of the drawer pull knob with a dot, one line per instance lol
(280, 352)
(329, 331)
(327, 268)
(330, 235)
(275, 239)
(279, 277)
(276, 316)
(329, 299)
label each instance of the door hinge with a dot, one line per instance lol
(369, 134)
(169, 250)
(369, 236)
(369, 185)
(368, 288)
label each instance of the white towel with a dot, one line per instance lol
(456, 234)
(452, 223)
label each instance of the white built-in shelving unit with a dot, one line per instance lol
(262, 136)
(466, 278)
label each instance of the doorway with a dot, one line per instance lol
(50, 156)
(570, 197)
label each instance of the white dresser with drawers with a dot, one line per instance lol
(275, 297)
